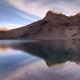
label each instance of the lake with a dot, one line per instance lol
(39, 60)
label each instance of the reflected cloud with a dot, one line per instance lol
(7, 52)
(39, 71)
(27, 72)
(26, 61)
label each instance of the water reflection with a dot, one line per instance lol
(53, 52)
(20, 60)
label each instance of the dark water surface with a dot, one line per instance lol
(39, 60)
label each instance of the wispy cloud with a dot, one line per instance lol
(25, 16)
(6, 51)
(39, 9)
(33, 8)
(19, 13)
(68, 8)
(9, 25)
(27, 72)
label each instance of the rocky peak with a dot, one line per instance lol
(51, 14)
(56, 12)
(78, 13)
(77, 17)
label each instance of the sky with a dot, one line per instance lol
(18, 13)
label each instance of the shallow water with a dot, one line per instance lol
(39, 60)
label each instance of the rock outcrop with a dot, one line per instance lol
(54, 25)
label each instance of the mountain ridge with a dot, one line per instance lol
(54, 25)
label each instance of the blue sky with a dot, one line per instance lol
(17, 13)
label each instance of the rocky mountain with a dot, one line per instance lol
(54, 25)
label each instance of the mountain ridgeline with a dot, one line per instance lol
(54, 25)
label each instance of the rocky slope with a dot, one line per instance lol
(54, 25)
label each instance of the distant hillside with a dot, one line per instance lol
(3, 29)
(54, 25)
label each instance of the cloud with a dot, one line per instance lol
(28, 72)
(27, 61)
(9, 25)
(25, 16)
(6, 51)
(19, 13)
(33, 8)
(39, 8)
(39, 70)
(68, 8)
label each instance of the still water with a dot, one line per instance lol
(39, 60)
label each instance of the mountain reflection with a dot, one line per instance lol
(3, 47)
(53, 52)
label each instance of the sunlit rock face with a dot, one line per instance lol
(54, 25)
(76, 17)
(72, 31)
(52, 15)
(3, 29)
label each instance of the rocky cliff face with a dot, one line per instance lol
(54, 25)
